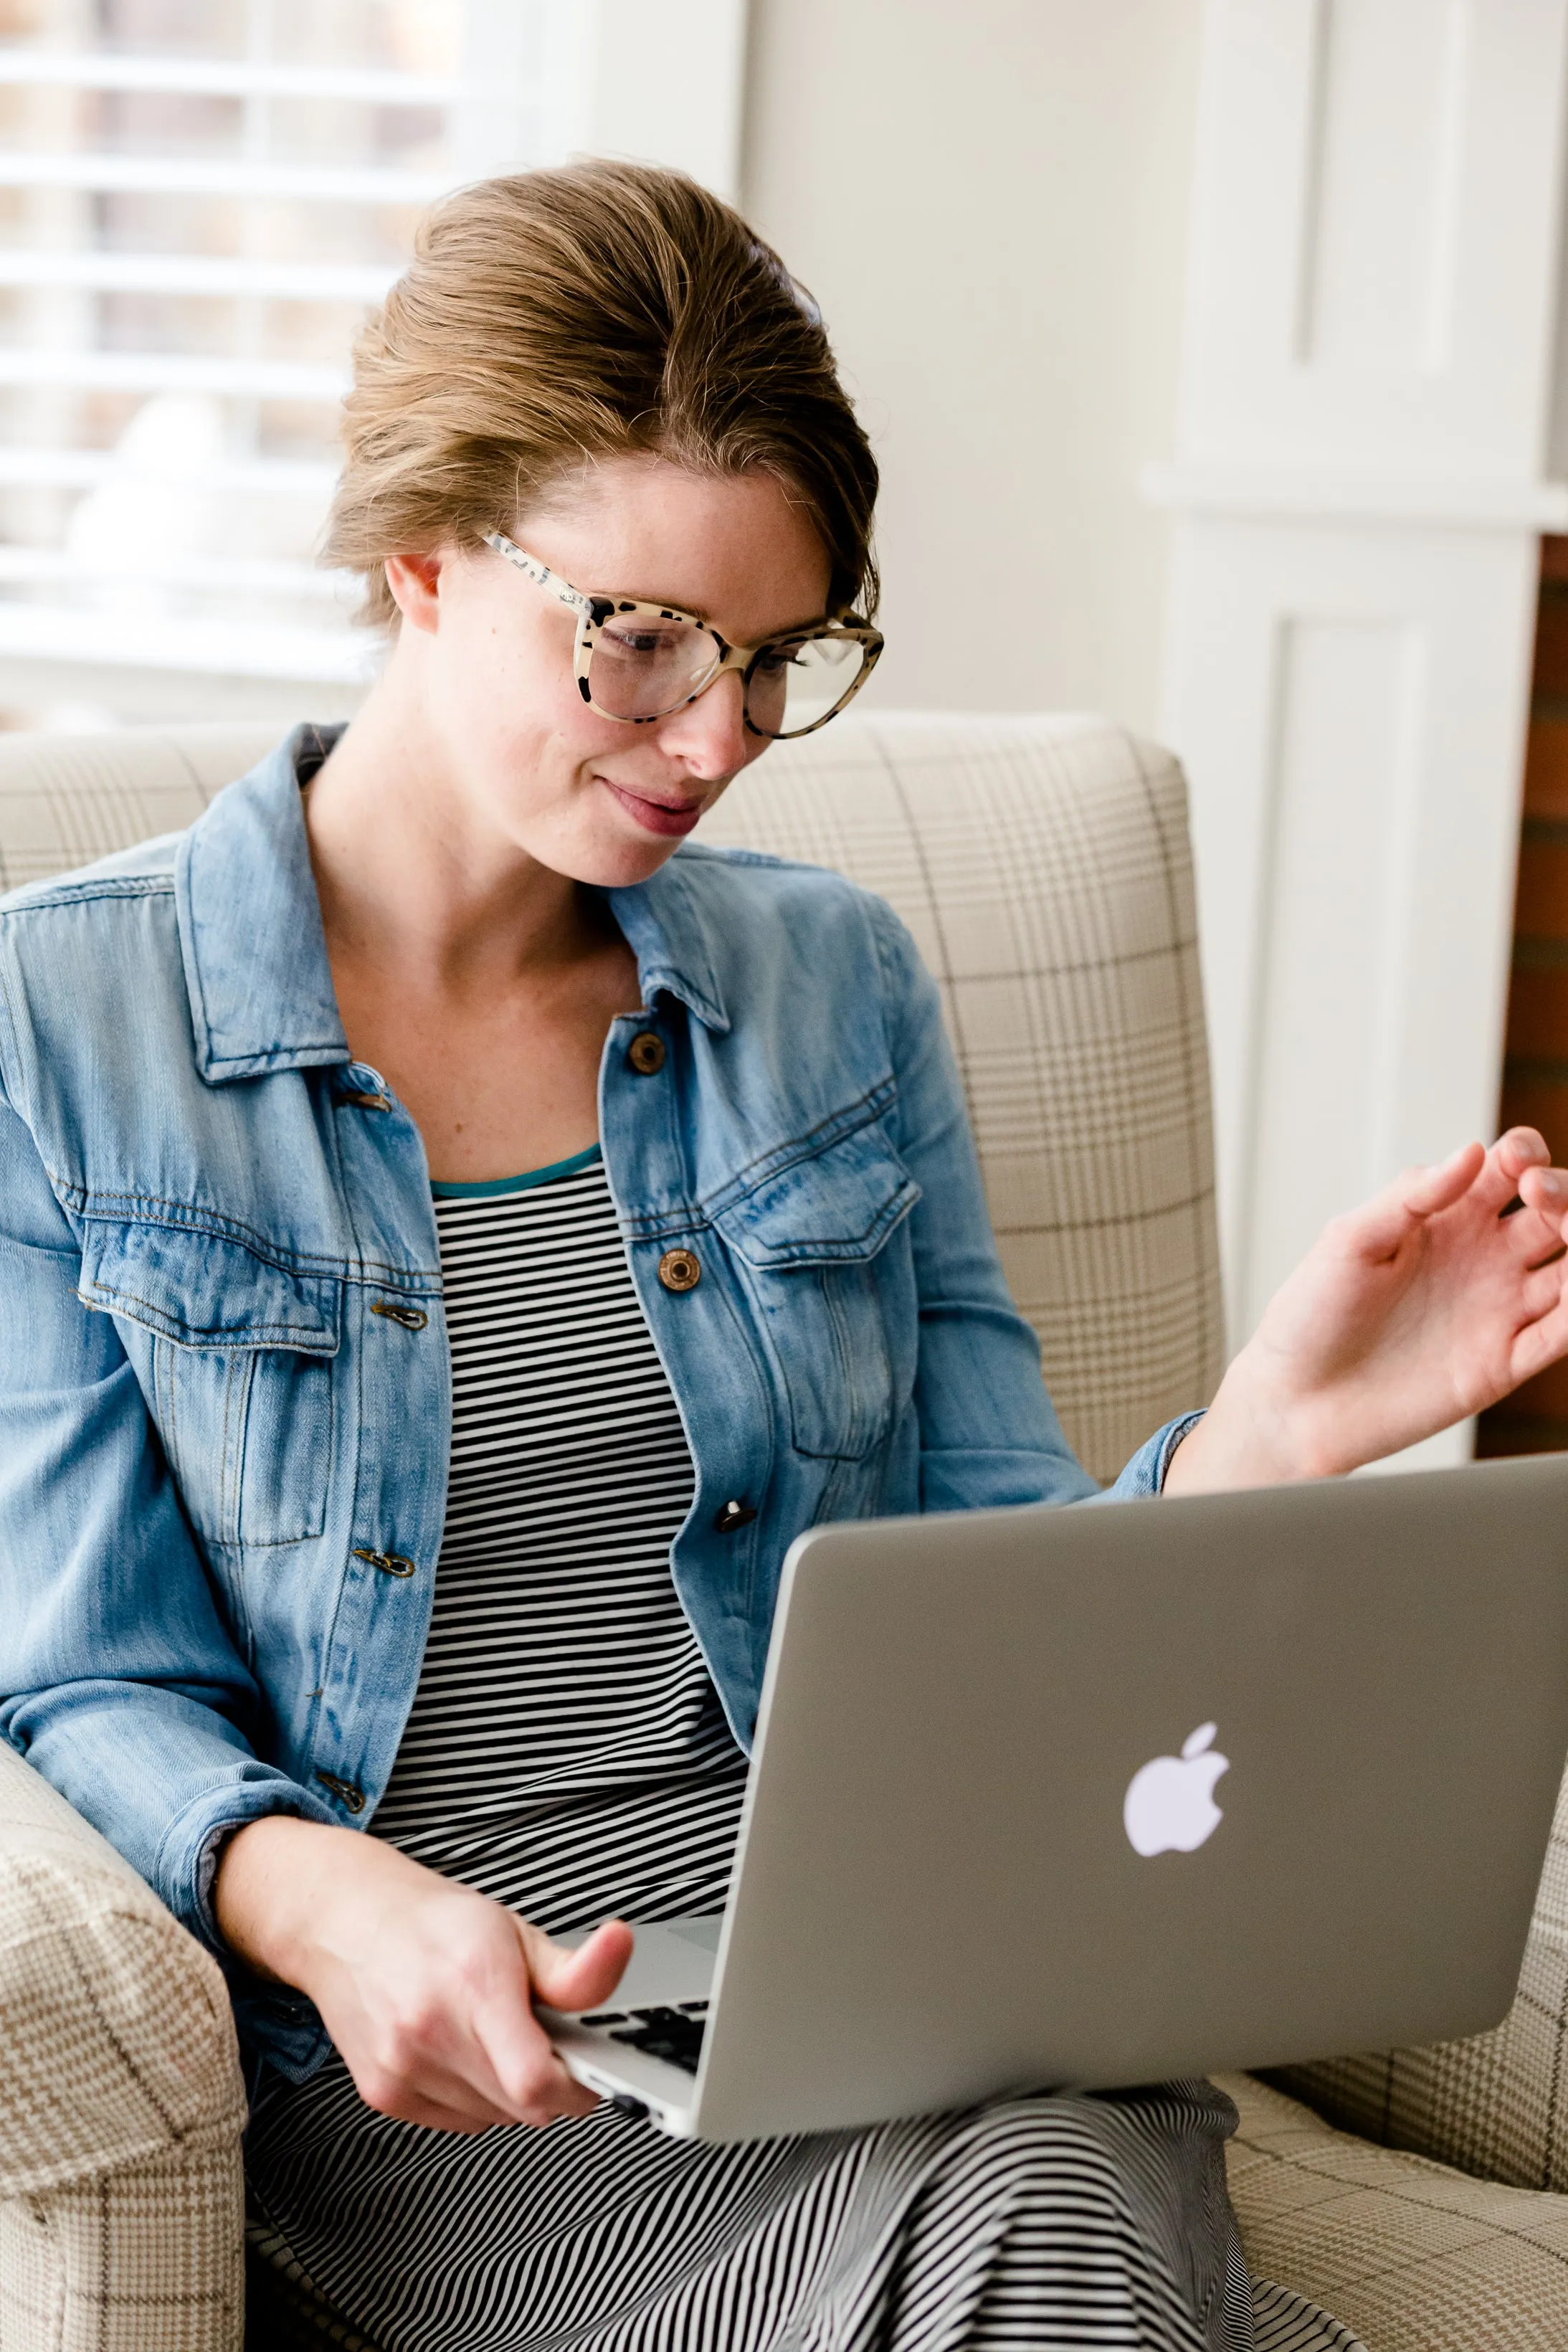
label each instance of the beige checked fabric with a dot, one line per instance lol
(1042, 865)
(1412, 2255)
(67, 799)
(121, 2101)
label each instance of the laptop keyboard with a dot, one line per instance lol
(674, 2034)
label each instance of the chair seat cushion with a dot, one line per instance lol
(1412, 2255)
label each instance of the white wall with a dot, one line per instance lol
(1359, 489)
(990, 201)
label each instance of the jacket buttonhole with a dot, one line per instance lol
(345, 1791)
(412, 1318)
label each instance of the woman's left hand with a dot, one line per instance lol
(1422, 1307)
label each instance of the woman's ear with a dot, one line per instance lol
(415, 585)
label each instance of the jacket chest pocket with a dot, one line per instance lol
(807, 1241)
(235, 1355)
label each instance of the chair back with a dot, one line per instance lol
(1042, 865)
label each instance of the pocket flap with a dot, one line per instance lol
(203, 1290)
(835, 1208)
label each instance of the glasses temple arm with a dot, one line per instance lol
(541, 574)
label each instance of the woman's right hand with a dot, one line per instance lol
(425, 1987)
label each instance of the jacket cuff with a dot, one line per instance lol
(1146, 1473)
(273, 2021)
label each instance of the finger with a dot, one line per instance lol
(437, 2098)
(1530, 1238)
(1540, 1343)
(1382, 1225)
(1510, 1156)
(1425, 1192)
(1535, 1220)
(513, 2059)
(1540, 1291)
(582, 1976)
(1545, 1191)
(528, 2072)
(434, 2116)
(564, 2095)
(1518, 1148)
(1532, 1241)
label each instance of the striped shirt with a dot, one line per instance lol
(566, 1751)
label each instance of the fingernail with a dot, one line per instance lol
(1555, 1184)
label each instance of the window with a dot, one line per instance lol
(198, 201)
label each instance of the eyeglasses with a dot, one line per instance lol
(638, 662)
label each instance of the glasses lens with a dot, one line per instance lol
(793, 685)
(643, 667)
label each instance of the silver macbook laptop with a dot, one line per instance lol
(1109, 1794)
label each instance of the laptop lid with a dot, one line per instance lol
(943, 1889)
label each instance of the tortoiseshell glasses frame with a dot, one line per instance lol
(656, 658)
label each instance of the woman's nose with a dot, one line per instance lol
(710, 734)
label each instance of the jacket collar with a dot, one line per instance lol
(665, 924)
(256, 954)
(250, 925)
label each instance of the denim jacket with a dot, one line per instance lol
(225, 1385)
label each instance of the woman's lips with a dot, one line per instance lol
(656, 816)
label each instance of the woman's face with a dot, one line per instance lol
(489, 655)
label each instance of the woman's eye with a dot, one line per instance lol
(645, 644)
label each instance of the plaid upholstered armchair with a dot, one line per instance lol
(1043, 867)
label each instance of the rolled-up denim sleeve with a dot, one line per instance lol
(120, 1679)
(990, 1433)
(1144, 1475)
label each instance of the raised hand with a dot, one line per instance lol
(1425, 1306)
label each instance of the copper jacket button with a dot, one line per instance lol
(646, 1053)
(679, 1270)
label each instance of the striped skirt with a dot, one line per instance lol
(1081, 2222)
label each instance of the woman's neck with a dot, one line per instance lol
(412, 883)
(478, 982)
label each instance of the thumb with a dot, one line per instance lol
(582, 1978)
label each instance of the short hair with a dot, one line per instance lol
(557, 318)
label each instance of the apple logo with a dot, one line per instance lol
(1169, 1805)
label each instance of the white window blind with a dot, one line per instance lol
(198, 201)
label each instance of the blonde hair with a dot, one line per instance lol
(563, 317)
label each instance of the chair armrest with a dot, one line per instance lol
(117, 2041)
(1413, 2256)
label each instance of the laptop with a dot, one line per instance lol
(1048, 1798)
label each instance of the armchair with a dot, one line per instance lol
(1043, 867)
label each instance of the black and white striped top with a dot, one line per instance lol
(566, 1751)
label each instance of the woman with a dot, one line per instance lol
(420, 1157)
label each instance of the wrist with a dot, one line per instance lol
(272, 1878)
(1251, 1436)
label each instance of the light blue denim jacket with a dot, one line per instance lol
(224, 1390)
